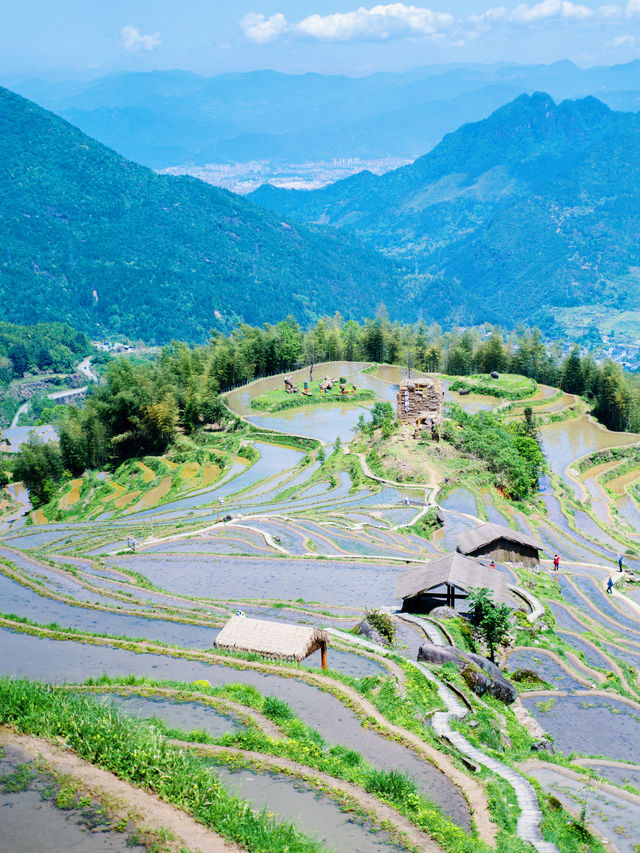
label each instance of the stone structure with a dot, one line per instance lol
(421, 402)
(480, 674)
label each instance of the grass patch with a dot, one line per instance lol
(278, 399)
(133, 751)
(510, 386)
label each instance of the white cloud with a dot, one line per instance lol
(262, 30)
(134, 41)
(398, 20)
(610, 11)
(621, 41)
(378, 22)
(544, 11)
(524, 14)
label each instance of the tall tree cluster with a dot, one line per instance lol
(140, 407)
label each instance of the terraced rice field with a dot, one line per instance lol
(135, 628)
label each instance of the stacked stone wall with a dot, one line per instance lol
(415, 400)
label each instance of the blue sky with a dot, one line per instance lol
(72, 38)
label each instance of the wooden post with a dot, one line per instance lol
(323, 655)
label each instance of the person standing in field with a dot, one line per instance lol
(620, 562)
(556, 562)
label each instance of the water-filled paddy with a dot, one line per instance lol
(313, 813)
(590, 725)
(56, 661)
(545, 666)
(329, 581)
(188, 716)
(596, 595)
(565, 441)
(33, 823)
(605, 811)
(618, 775)
(454, 525)
(564, 619)
(460, 500)
(24, 602)
(273, 460)
(593, 656)
(628, 509)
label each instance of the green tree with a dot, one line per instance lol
(572, 379)
(493, 620)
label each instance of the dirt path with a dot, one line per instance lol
(383, 813)
(148, 809)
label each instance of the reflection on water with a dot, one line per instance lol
(327, 421)
(315, 814)
(43, 659)
(565, 441)
(324, 421)
(239, 399)
(187, 716)
(577, 724)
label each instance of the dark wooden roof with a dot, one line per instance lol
(454, 569)
(485, 534)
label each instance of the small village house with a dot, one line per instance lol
(447, 581)
(496, 542)
(278, 640)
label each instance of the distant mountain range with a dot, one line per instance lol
(535, 207)
(168, 118)
(105, 244)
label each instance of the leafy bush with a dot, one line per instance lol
(514, 459)
(382, 623)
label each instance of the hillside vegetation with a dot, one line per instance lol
(143, 409)
(98, 241)
(534, 207)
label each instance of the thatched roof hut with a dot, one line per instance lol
(448, 580)
(499, 543)
(272, 639)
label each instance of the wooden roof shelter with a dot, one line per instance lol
(448, 579)
(273, 639)
(500, 542)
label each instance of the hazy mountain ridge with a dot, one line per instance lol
(99, 241)
(170, 117)
(537, 205)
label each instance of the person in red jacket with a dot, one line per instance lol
(556, 562)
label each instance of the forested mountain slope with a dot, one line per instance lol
(537, 205)
(103, 243)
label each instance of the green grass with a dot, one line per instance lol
(278, 399)
(133, 750)
(19, 780)
(306, 746)
(511, 386)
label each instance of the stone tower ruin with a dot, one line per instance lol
(420, 402)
